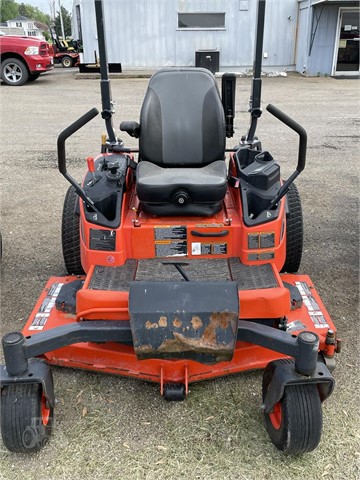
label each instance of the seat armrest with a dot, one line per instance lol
(130, 127)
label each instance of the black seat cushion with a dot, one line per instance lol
(182, 119)
(161, 189)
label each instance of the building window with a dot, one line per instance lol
(201, 20)
(30, 25)
(18, 24)
(32, 33)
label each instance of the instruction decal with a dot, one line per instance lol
(295, 326)
(315, 313)
(168, 248)
(45, 308)
(199, 248)
(170, 241)
(170, 232)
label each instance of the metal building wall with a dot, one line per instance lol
(302, 46)
(144, 33)
(316, 58)
(322, 52)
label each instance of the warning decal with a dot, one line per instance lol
(170, 249)
(295, 326)
(170, 232)
(48, 303)
(198, 248)
(170, 241)
(312, 306)
(39, 321)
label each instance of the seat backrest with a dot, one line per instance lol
(182, 119)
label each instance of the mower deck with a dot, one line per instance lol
(105, 292)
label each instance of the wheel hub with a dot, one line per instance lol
(13, 73)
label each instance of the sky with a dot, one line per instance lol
(44, 5)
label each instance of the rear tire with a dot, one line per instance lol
(14, 72)
(26, 418)
(70, 234)
(295, 423)
(294, 231)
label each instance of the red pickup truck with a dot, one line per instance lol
(23, 59)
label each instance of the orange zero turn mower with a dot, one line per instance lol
(182, 266)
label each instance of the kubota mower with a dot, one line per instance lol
(181, 265)
(63, 52)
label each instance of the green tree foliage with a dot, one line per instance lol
(8, 9)
(34, 13)
(67, 22)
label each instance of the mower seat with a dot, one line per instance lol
(182, 168)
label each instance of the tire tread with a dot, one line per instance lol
(294, 231)
(70, 234)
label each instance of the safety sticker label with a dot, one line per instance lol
(319, 320)
(295, 326)
(55, 289)
(47, 305)
(315, 313)
(198, 248)
(39, 321)
(170, 241)
(170, 232)
(168, 248)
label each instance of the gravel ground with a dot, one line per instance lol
(108, 427)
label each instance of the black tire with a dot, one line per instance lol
(33, 77)
(14, 72)
(67, 62)
(294, 231)
(70, 234)
(26, 419)
(295, 423)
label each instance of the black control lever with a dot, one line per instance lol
(178, 266)
(301, 154)
(64, 135)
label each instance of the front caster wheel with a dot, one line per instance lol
(174, 392)
(295, 423)
(26, 417)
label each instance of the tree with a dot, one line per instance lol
(66, 20)
(34, 14)
(23, 10)
(8, 10)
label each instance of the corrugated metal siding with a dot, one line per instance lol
(280, 33)
(143, 33)
(301, 52)
(321, 58)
